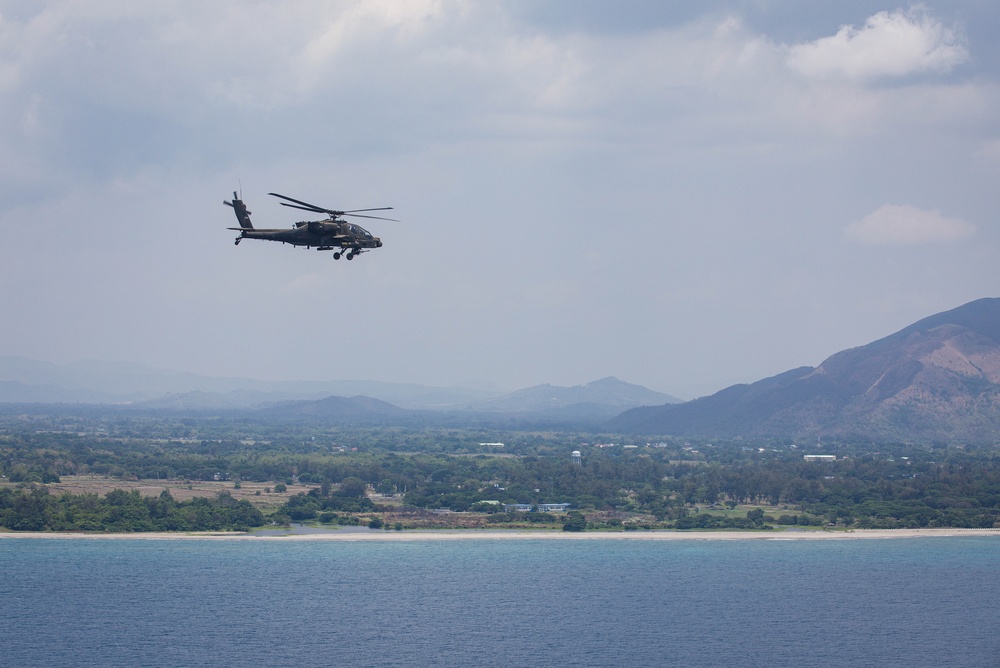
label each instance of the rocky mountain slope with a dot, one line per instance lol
(936, 380)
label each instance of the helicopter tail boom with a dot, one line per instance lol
(242, 214)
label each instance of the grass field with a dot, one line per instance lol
(260, 494)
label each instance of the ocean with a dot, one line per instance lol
(133, 602)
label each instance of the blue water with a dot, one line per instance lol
(898, 602)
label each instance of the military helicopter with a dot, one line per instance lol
(332, 233)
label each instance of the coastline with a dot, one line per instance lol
(474, 534)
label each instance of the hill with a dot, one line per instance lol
(936, 380)
(359, 408)
(605, 397)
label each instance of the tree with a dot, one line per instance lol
(575, 521)
(353, 488)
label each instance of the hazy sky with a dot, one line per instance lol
(685, 195)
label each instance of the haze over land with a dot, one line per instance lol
(682, 196)
(936, 381)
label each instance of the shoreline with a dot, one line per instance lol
(474, 534)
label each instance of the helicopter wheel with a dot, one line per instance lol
(336, 256)
(350, 256)
(238, 240)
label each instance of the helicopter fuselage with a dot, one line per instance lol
(321, 234)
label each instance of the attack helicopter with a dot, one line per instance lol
(334, 233)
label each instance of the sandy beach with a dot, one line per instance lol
(472, 534)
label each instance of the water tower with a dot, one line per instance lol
(577, 458)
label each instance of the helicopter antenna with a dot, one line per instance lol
(240, 182)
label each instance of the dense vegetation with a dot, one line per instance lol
(670, 483)
(34, 509)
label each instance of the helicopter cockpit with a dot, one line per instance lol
(360, 231)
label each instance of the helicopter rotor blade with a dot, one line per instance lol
(358, 215)
(304, 208)
(306, 205)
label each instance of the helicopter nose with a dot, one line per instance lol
(378, 243)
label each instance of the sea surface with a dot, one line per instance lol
(132, 602)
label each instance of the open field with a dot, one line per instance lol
(260, 494)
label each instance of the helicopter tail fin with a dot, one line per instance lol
(242, 214)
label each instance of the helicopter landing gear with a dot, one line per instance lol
(336, 256)
(350, 256)
(238, 240)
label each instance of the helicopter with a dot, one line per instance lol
(330, 234)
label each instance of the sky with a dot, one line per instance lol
(685, 195)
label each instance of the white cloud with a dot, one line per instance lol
(390, 76)
(531, 166)
(891, 44)
(892, 225)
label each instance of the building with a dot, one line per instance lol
(553, 507)
(517, 507)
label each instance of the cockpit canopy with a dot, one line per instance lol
(360, 231)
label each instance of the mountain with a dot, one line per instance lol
(339, 408)
(543, 406)
(605, 396)
(142, 387)
(936, 380)
(25, 380)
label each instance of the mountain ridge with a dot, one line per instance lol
(608, 391)
(90, 381)
(143, 387)
(937, 379)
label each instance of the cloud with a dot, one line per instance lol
(892, 225)
(99, 90)
(558, 185)
(891, 44)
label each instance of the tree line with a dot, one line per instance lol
(34, 509)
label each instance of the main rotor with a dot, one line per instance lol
(306, 206)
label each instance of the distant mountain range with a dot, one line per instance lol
(582, 406)
(25, 380)
(936, 380)
(143, 387)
